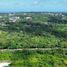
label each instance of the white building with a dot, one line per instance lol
(13, 19)
(1, 17)
(29, 18)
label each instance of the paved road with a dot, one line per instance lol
(32, 49)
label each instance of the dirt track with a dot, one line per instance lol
(33, 49)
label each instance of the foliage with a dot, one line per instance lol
(34, 58)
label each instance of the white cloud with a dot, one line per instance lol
(35, 2)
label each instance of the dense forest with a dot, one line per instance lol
(53, 58)
(34, 30)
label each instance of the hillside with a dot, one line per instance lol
(33, 39)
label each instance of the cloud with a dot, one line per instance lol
(36, 2)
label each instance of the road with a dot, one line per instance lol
(33, 49)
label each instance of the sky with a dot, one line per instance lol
(33, 5)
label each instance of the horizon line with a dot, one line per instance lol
(35, 12)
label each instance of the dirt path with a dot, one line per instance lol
(33, 49)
